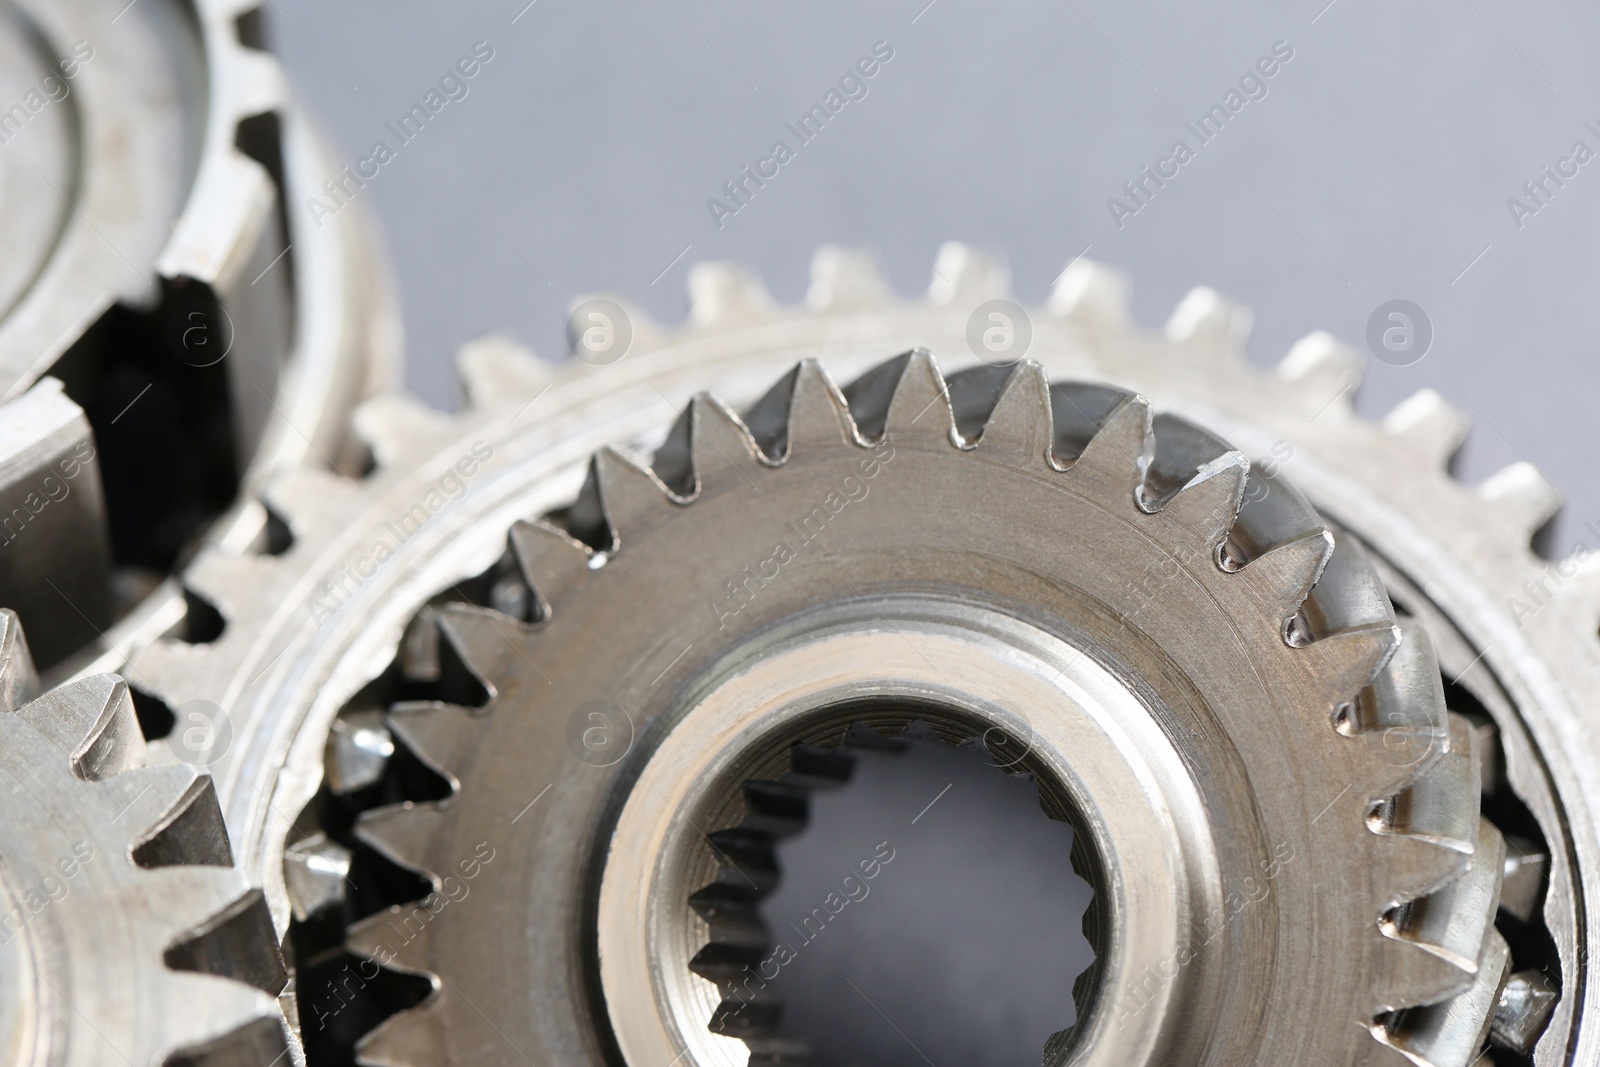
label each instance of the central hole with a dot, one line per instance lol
(898, 901)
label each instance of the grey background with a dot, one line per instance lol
(1378, 167)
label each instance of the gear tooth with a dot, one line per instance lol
(189, 833)
(1208, 503)
(19, 681)
(1440, 806)
(1455, 921)
(552, 561)
(818, 415)
(1327, 371)
(390, 423)
(402, 833)
(315, 873)
(1411, 976)
(417, 1037)
(633, 497)
(722, 294)
(919, 406)
(1122, 448)
(1092, 294)
(235, 941)
(1349, 596)
(1021, 427)
(305, 497)
(1522, 498)
(496, 371)
(1413, 867)
(93, 721)
(1429, 424)
(871, 394)
(1451, 1033)
(217, 577)
(1401, 718)
(381, 939)
(440, 735)
(964, 277)
(1214, 327)
(721, 431)
(221, 1023)
(847, 279)
(1286, 573)
(1346, 662)
(481, 638)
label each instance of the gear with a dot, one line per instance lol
(309, 631)
(126, 935)
(858, 612)
(209, 338)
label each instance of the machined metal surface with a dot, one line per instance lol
(126, 934)
(331, 622)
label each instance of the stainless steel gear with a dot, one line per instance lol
(127, 936)
(149, 154)
(332, 623)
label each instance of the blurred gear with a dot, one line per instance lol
(127, 936)
(399, 593)
(209, 336)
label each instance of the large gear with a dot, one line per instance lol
(310, 635)
(208, 335)
(127, 936)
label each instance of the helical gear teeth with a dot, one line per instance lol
(720, 439)
(818, 415)
(1452, 1033)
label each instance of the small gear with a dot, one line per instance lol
(127, 936)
